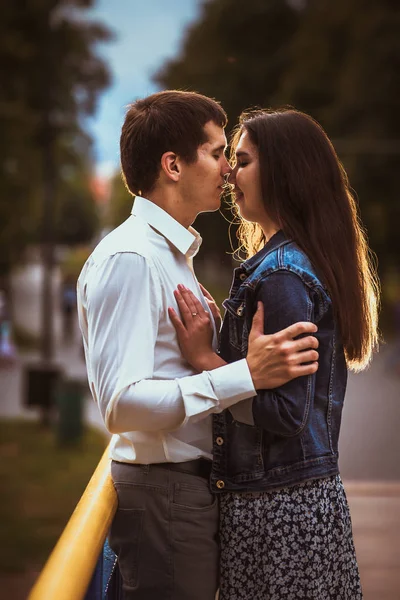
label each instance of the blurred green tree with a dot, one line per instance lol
(76, 216)
(344, 70)
(121, 202)
(19, 159)
(77, 219)
(50, 79)
(337, 61)
(237, 55)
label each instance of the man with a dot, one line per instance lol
(157, 407)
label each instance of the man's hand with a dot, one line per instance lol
(276, 359)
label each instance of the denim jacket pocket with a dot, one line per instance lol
(236, 319)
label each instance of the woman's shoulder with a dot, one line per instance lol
(290, 258)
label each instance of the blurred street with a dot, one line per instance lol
(375, 513)
(68, 353)
(369, 438)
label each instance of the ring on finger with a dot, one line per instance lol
(194, 314)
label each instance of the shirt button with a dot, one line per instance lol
(219, 441)
(242, 276)
(220, 484)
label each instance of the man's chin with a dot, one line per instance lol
(213, 206)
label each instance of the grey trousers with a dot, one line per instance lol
(165, 534)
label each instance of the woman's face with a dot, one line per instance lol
(246, 179)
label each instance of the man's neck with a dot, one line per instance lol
(174, 205)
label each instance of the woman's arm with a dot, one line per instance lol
(285, 409)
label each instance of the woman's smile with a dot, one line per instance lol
(238, 194)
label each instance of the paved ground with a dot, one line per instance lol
(375, 510)
(369, 445)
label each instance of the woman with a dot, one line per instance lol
(285, 524)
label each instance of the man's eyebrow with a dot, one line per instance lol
(220, 148)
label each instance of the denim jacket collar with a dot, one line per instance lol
(276, 240)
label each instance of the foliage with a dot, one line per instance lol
(235, 54)
(73, 261)
(77, 219)
(337, 61)
(50, 78)
(345, 71)
(121, 202)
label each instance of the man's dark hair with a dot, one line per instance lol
(169, 121)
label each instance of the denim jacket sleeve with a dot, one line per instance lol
(286, 298)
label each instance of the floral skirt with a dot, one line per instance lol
(295, 542)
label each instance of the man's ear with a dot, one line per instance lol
(170, 164)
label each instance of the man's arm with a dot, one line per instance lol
(283, 410)
(273, 360)
(123, 310)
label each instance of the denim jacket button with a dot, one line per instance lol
(240, 310)
(220, 484)
(242, 276)
(219, 441)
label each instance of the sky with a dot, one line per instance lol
(147, 33)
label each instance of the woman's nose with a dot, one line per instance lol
(226, 168)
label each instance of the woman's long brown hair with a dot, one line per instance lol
(306, 192)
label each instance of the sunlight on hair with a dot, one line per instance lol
(337, 247)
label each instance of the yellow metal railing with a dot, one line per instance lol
(69, 569)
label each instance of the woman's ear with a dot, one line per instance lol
(170, 165)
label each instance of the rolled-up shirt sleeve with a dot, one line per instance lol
(122, 307)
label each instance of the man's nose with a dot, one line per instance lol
(226, 169)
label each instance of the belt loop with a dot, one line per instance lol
(145, 469)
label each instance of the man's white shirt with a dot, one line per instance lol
(156, 405)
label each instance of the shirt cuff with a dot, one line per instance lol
(232, 383)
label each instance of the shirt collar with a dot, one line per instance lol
(187, 241)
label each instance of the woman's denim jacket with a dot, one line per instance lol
(287, 435)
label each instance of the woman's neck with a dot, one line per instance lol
(269, 231)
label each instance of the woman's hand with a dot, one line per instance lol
(216, 313)
(194, 331)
